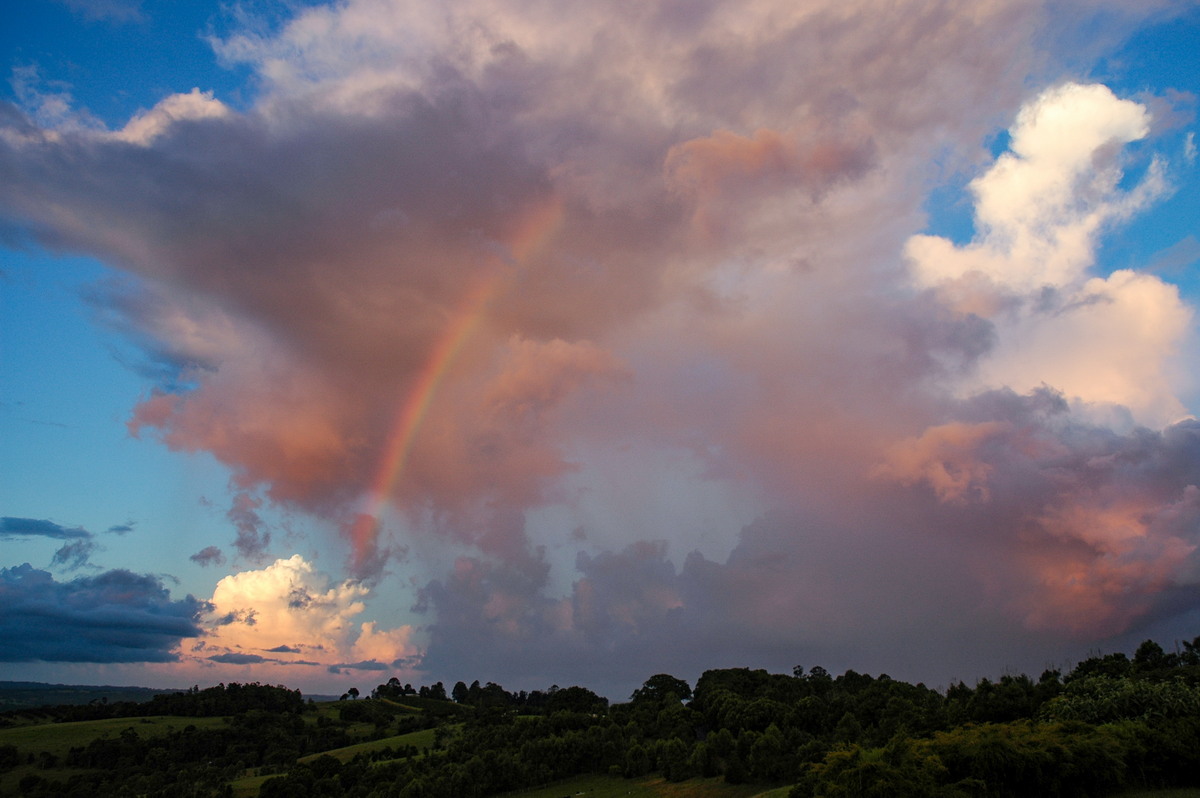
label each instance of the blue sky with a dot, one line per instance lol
(703, 320)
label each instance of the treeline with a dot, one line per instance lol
(218, 701)
(27, 695)
(493, 696)
(1112, 722)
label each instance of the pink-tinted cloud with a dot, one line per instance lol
(725, 169)
(512, 292)
(290, 620)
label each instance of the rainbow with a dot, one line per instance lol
(532, 231)
(399, 442)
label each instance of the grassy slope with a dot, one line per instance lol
(650, 787)
(420, 739)
(59, 738)
(34, 737)
(657, 787)
(248, 786)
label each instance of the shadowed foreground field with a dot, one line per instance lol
(609, 787)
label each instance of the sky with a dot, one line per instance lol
(571, 343)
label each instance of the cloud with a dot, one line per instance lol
(725, 169)
(289, 608)
(73, 555)
(366, 665)
(36, 527)
(624, 347)
(116, 11)
(1058, 529)
(1040, 206)
(238, 659)
(367, 558)
(146, 126)
(209, 555)
(252, 538)
(116, 616)
(1039, 210)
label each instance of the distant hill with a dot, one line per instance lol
(26, 695)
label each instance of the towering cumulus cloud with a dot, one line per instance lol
(615, 320)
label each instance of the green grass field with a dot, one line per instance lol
(248, 786)
(420, 739)
(59, 738)
(651, 787)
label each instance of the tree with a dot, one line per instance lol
(352, 692)
(658, 687)
(575, 699)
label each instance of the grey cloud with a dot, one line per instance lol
(856, 586)
(239, 659)
(37, 527)
(237, 616)
(115, 616)
(73, 555)
(365, 665)
(299, 598)
(209, 555)
(236, 658)
(252, 536)
(115, 11)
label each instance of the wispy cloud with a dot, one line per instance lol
(365, 665)
(73, 555)
(209, 555)
(116, 11)
(39, 527)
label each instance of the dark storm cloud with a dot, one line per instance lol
(37, 527)
(236, 658)
(239, 659)
(365, 665)
(116, 616)
(1032, 522)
